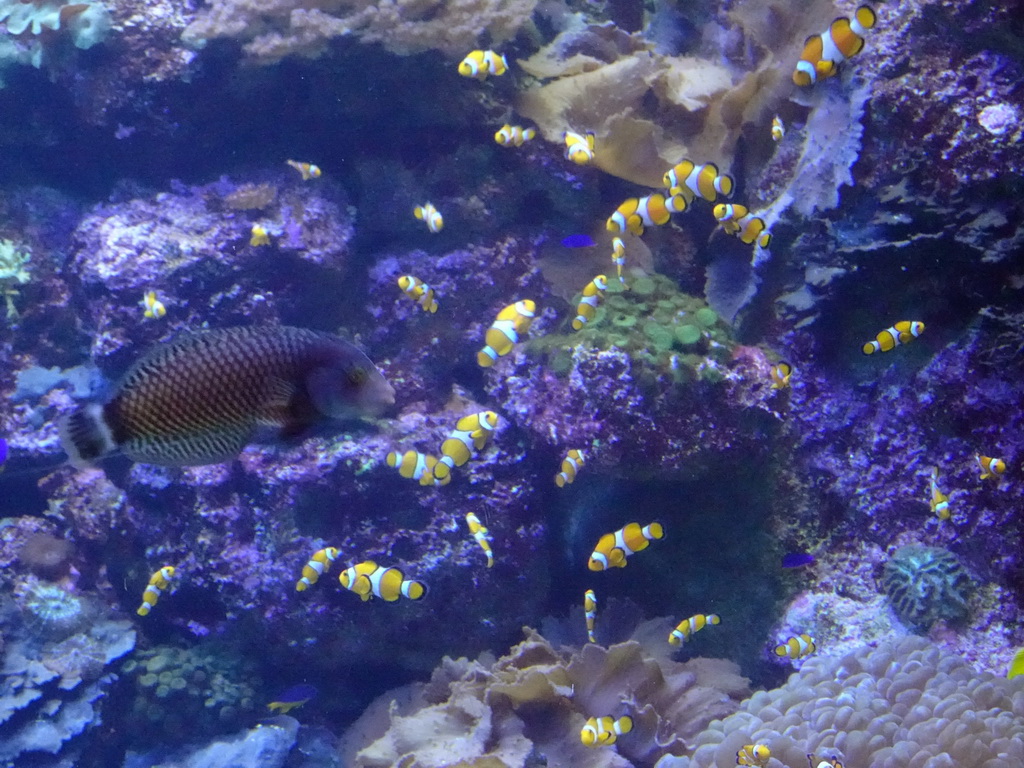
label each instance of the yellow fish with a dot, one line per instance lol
(419, 292)
(693, 624)
(154, 308)
(590, 610)
(823, 53)
(471, 434)
(939, 501)
(990, 467)
(892, 337)
(571, 464)
(317, 566)
(514, 135)
(602, 731)
(367, 579)
(756, 755)
(593, 295)
(704, 181)
(414, 465)
(1016, 665)
(579, 147)
(430, 215)
(613, 548)
(158, 582)
(259, 235)
(737, 220)
(778, 129)
(480, 64)
(637, 212)
(781, 372)
(482, 536)
(307, 170)
(796, 647)
(619, 257)
(511, 323)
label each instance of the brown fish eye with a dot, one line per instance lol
(357, 376)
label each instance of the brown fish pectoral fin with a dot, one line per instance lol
(286, 410)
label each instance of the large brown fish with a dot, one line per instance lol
(202, 397)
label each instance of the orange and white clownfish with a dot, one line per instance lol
(602, 731)
(514, 135)
(471, 434)
(590, 611)
(939, 501)
(652, 210)
(825, 762)
(778, 129)
(705, 181)
(756, 755)
(153, 307)
(900, 333)
(482, 536)
(693, 624)
(511, 323)
(318, 565)
(990, 467)
(737, 220)
(571, 464)
(613, 548)
(619, 257)
(158, 582)
(419, 292)
(307, 170)
(781, 373)
(367, 579)
(414, 465)
(481, 64)
(579, 147)
(823, 53)
(428, 214)
(593, 295)
(796, 647)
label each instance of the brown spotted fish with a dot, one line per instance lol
(204, 396)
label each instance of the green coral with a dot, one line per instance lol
(925, 584)
(13, 270)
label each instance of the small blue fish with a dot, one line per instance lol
(578, 241)
(797, 559)
(294, 697)
(3, 453)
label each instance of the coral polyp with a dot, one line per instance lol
(50, 611)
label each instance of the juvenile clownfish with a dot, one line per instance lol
(619, 257)
(414, 465)
(613, 548)
(823, 53)
(480, 64)
(307, 170)
(832, 762)
(294, 697)
(778, 129)
(154, 308)
(990, 467)
(593, 295)
(318, 565)
(754, 755)
(571, 464)
(637, 212)
(602, 731)
(419, 292)
(590, 611)
(471, 434)
(939, 501)
(158, 582)
(796, 647)
(367, 579)
(258, 235)
(579, 147)
(693, 624)
(430, 215)
(781, 373)
(737, 220)
(901, 333)
(705, 181)
(511, 323)
(482, 536)
(1016, 665)
(514, 135)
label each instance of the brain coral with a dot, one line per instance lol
(925, 584)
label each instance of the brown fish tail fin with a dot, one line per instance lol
(85, 435)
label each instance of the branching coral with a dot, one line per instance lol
(13, 269)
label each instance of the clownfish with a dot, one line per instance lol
(480, 64)
(307, 170)
(823, 53)
(637, 212)
(367, 579)
(511, 323)
(571, 464)
(593, 295)
(258, 235)
(414, 465)
(602, 731)
(471, 434)
(693, 624)
(613, 548)
(900, 333)
(154, 308)
(294, 697)
(781, 373)
(318, 565)
(419, 292)
(514, 135)
(579, 147)
(778, 128)
(482, 536)
(754, 755)
(158, 582)
(990, 467)
(619, 257)
(1016, 665)
(939, 501)
(590, 611)
(832, 762)
(430, 215)
(737, 220)
(796, 647)
(688, 178)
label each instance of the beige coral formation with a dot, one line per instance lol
(532, 703)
